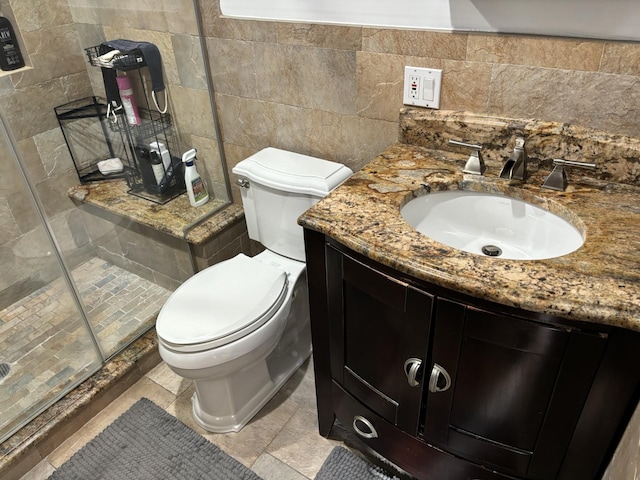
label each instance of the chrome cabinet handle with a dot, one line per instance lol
(411, 370)
(372, 433)
(436, 372)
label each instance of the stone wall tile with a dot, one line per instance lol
(237, 29)
(189, 62)
(232, 66)
(418, 43)
(380, 80)
(53, 52)
(308, 77)
(465, 86)
(192, 111)
(622, 58)
(602, 101)
(29, 111)
(337, 37)
(547, 52)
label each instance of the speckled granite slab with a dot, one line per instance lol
(598, 283)
(176, 218)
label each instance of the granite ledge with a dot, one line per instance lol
(176, 217)
(599, 283)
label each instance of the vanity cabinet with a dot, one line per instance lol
(450, 387)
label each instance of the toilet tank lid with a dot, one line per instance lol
(293, 172)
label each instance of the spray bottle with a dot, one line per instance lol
(196, 189)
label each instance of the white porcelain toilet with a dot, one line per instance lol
(239, 329)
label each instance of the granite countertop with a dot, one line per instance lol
(598, 283)
(176, 217)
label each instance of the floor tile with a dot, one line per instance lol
(143, 388)
(167, 378)
(299, 444)
(270, 468)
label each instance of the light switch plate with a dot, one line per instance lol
(422, 87)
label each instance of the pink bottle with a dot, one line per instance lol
(128, 101)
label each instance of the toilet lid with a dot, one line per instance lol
(222, 303)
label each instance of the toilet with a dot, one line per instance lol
(239, 329)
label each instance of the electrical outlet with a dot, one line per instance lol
(422, 87)
(414, 87)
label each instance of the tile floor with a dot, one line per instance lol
(280, 443)
(45, 346)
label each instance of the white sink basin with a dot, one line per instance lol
(492, 225)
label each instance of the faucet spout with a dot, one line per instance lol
(516, 167)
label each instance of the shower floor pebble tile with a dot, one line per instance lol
(46, 345)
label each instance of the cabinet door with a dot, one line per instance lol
(379, 338)
(515, 388)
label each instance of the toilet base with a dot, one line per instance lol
(251, 389)
(228, 403)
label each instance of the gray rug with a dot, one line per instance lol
(341, 464)
(147, 443)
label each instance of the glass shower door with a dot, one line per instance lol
(46, 347)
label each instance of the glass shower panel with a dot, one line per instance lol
(131, 273)
(46, 347)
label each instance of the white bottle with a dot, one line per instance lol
(163, 153)
(196, 188)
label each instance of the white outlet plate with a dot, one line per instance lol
(422, 87)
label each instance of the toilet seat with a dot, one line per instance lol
(221, 304)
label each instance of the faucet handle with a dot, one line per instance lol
(475, 164)
(557, 179)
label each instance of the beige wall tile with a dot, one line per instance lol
(249, 30)
(308, 77)
(232, 65)
(41, 14)
(622, 58)
(189, 62)
(53, 53)
(417, 43)
(336, 37)
(536, 51)
(602, 101)
(380, 78)
(191, 110)
(465, 85)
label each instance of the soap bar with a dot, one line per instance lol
(110, 166)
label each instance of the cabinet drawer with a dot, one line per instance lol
(416, 457)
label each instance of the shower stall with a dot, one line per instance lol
(78, 285)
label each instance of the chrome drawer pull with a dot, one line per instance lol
(372, 431)
(412, 371)
(436, 372)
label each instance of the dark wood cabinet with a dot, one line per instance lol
(451, 387)
(516, 388)
(368, 310)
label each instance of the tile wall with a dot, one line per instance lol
(335, 91)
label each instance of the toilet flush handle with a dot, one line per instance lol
(243, 182)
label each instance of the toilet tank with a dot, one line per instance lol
(278, 187)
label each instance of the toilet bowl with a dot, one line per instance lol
(239, 329)
(238, 362)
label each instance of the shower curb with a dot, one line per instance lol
(30, 445)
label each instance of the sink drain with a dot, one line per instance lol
(5, 368)
(492, 251)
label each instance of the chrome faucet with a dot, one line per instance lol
(516, 167)
(557, 179)
(475, 163)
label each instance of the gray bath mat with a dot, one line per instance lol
(341, 464)
(146, 442)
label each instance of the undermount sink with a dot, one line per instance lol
(492, 225)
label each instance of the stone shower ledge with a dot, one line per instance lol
(176, 217)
